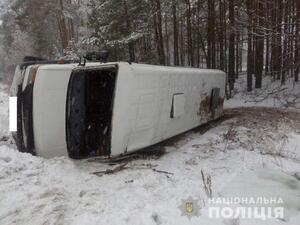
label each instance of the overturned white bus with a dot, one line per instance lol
(110, 109)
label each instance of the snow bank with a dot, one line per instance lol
(270, 184)
(3, 109)
(272, 94)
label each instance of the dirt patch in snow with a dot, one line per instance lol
(270, 131)
(264, 116)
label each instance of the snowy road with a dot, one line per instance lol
(257, 145)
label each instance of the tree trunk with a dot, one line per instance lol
(222, 34)
(297, 44)
(285, 57)
(279, 40)
(167, 42)
(211, 35)
(267, 53)
(181, 41)
(259, 53)
(189, 34)
(128, 27)
(237, 56)
(250, 46)
(175, 33)
(292, 39)
(231, 60)
(63, 31)
(267, 56)
(157, 22)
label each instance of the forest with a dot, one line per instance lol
(259, 37)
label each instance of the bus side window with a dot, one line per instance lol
(215, 94)
(177, 109)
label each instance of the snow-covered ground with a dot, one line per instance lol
(273, 94)
(250, 152)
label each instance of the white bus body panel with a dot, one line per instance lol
(49, 110)
(144, 95)
(143, 102)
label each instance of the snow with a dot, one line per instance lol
(271, 184)
(247, 152)
(272, 94)
(3, 110)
